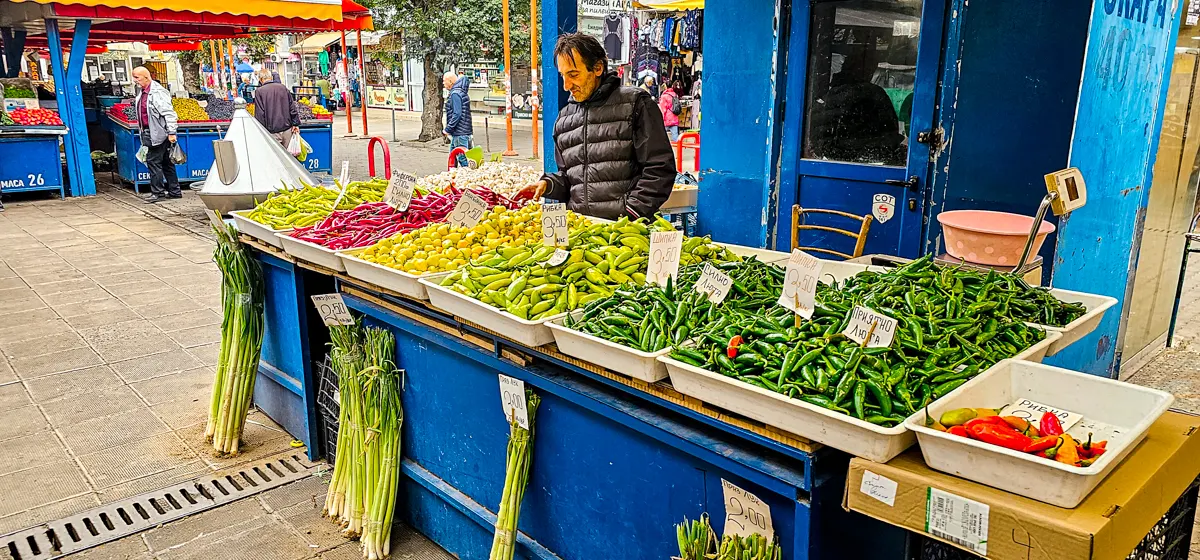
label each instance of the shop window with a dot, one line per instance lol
(861, 65)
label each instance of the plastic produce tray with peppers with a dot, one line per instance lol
(297, 208)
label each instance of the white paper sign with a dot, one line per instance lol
(468, 211)
(664, 256)
(399, 191)
(864, 323)
(554, 224)
(745, 514)
(883, 207)
(800, 283)
(957, 519)
(714, 283)
(1099, 431)
(333, 310)
(878, 487)
(1032, 411)
(512, 400)
(560, 256)
(345, 174)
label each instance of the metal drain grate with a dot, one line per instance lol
(132, 515)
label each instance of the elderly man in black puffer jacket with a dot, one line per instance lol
(613, 155)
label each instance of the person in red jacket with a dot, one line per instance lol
(669, 104)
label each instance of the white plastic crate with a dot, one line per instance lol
(1096, 306)
(311, 252)
(256, 230)
(529, 333)
(393, 279)
(1130, 408)
(608, 354)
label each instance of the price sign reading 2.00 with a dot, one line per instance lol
(468, 211)
(554, 224)
(512, 400)
(664, 256)
(745, 513)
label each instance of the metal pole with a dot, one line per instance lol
(346, 91)
(487, 135)
(362, 81)
(394, 139)
(533, 72)
(507, 83)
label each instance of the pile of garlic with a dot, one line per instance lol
(505, 179)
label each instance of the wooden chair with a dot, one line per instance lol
(860, 238)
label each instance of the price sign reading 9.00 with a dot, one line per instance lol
(469, 210)
(554, 224)
(800, 283)
(714, 283)
(664, 256)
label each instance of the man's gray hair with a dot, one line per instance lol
(264, 75)
(450, 75)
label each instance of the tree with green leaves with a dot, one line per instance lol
(441, 33)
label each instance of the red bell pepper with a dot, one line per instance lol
(1050, 425)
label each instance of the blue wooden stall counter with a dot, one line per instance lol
(30, 162)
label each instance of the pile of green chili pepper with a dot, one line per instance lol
(941, 342)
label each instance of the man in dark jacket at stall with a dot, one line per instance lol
(458, 113)
(613, 155)
(275, 109)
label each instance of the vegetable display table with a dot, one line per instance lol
(197, 138)
(617, 462)
(29, 159)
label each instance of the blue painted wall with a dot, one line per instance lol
(1115, 142)
(738, 125)
(558, 17)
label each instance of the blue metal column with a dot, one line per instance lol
(70, 104)
(737, 201)
(1126, 72)
(558, 17)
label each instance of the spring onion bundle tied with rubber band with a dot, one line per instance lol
(362, 492)
(516, 476)
(242, 292)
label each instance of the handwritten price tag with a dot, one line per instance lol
(800, 283)
(664, 256)
(560, 256)
(745, 514)
(345, 177)
(865, 323)
(399, 191)
(468, 211)
(332, 309)
(714, 283)
(554, 224)
(512, 400)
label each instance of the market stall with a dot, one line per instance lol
(34, 132)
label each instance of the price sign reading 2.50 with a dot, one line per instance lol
(800, 283)
(554, 224)
(664, 256)
(745, 513)
(332, 309)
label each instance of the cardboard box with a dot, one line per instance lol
(1108, 525)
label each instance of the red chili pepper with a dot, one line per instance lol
(958, 431)
(1041, 444)
(731, 349)
(997, 435)
(988, 420)
(1049, 425)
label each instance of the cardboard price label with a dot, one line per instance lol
(554, 224)
(745, 514)
(865, 323)
(664, 256)
(800, 283)
(512, 400)
(399, 191)
(468, 211)
(332, 309)
(714, 283)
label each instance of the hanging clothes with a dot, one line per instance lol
(613, 36)
(668, 35)
(323, 61)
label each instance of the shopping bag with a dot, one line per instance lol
(294, 146)
(141, 153)
(177, 155)
(305, 149)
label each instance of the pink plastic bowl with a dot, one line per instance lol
(986, 237)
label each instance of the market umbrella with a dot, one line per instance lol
(244, 68)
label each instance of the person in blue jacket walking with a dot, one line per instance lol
(458, 113)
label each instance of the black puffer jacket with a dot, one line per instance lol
(613, 154)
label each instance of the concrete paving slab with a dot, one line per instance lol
(43, 345)
(173, 261)
(31, 451)
(198, 289)
(320, 532)
(236, 517)
(181, 413)
(9, 306)
(311, 490)
(7, 375)
(261, 438)
(54, 482)
(130, 275)
(151, 284)
(64, 298)
(36, 274)
(47, 512)
(67, 360)
(149, 483)
(13, 395)
(74, 285)
(120, 314)
(165, 294)
(102, 270)
(131, 339)
(96, 404)
(94, 307)
(190, 384)
(128, 548)
(197, 336)
(29, 316)
(185, 270)
(187, 320)
(116, 430)
(50, 388)
(155, 365)
(272, 541)
(207, 353)
(136, 459)
(165, 308)
(16, 282)
(19, 331)
(22, 421)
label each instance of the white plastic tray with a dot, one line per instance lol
(764, 255)
(256, 230)
(1128, 407)
(1038, 352)
(529, 333)
(311, 252)
(1083, 326)
(608, 354)
(393, 279)
(839, 431)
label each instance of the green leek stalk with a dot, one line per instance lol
(696, 539)
(516, 477)
(242, 326)
(754, 547)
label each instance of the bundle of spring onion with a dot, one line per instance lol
(696, 539)
(516, 476)
(362, 493)
(754, 547)
(242, 292)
